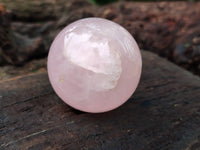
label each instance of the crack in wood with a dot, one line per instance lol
(20, 139)
(34, 134)
(29, 99)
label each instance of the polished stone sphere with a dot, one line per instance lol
(94, 65)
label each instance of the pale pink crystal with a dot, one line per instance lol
(94, 65)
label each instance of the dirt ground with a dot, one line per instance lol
(170, 29)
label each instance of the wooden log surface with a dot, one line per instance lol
(163, 114)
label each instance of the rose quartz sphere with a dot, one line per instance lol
(94, 65)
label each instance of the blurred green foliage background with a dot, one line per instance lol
(102, 2)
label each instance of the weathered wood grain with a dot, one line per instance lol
(163, 114)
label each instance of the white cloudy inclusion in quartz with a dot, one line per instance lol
(94, 65)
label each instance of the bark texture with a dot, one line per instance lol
(170, 29)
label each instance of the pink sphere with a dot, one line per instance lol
(94, 65)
